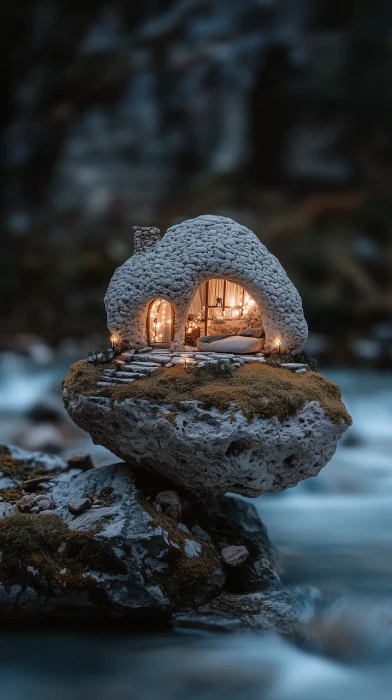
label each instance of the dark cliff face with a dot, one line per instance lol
(149, 112)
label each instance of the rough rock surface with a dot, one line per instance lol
(208, 451)
(189, 254)
(234, 555)
(282, 610)
(157, 566)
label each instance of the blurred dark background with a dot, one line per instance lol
(277, 113)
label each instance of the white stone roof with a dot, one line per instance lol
(189, 254)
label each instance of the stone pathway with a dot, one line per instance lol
(136, 365)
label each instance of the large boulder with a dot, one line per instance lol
(123, 554)
(212, 451)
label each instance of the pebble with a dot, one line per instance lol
(192, 548)
(80, 460)
(201, 534)
(148, 349)
(34, 504)
(127, 355)
(234, 555)
(170, 503)
(76, 506)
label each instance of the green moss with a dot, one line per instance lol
(43, 552)
(185, 572)
(17, 469)
(11, 494)
(256, 389)
(83, 376)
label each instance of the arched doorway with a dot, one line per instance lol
(160, 323)
(221, 307)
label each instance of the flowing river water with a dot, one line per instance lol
(335, 536)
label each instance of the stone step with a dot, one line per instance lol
(145, 365)
(250, 358)
(295, 365)
(104, 384)
(128, 375)
(147, 360)
(151, 359)
(117, 380)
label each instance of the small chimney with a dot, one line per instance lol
(145, 238)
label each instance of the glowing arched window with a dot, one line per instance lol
(160, 322)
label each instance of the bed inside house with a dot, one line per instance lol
(223, 317)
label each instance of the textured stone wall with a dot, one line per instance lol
(145, 238)
(191, 253)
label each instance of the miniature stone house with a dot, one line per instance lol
(205, 276)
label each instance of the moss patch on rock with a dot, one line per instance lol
(18, 469)
(20, 472)
(256, 389)
(41, 551)
(185, 572)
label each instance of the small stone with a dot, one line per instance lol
(184, 528)
(126, 356)
(44, 502)
(169, 364)
(109, 372)
(76, 506)
(170, 503)
(157, 507)
(201, 534)
(81, 460)
(34, 509)
(25, 504)
(62, 547)
(192, 548)
(234, 555)
(168, 498)
(145, 349)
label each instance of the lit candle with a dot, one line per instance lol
(278, 342)
(113, 339)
